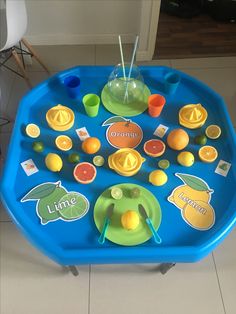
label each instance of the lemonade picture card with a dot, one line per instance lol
(161, 130)
(223, 168)
(54, 202)
(193, 199)
(29, 167)
(82, 133)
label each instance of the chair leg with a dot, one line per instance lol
(34, 54)
(20, 64)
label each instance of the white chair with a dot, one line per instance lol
(13, 25)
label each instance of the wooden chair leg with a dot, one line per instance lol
(34, 53)
(20, 64)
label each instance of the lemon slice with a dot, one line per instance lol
(64, 142)
(163, 164)
(98, 161)
(32, 130)
(208, 154)
(116, 193)
(213, 131)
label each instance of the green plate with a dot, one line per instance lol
(115, 232)
(121, 109)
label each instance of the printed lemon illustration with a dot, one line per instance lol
(199, 214)
(123, 133)
(130, 220)
(73, 206)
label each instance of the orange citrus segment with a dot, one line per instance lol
(32, 130)
(208, 153)
(213, 131)
(63, 142)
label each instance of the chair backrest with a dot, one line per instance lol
(13, 22)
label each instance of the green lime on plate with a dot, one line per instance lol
(116, 193)
(98, 161)
(135, 193)
(163, 164)
(74, 158)
(200, 139)
(73, 205)
(38, 147)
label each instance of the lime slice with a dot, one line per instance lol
(163, 164)
(135, 193)
(116, 193)
(213, 131)
(73, 205)
(98, 161)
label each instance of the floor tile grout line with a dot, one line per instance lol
(89, 294)
(218, 280)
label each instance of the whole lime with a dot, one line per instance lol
(200, 139)
(38, 147)
(74, 158)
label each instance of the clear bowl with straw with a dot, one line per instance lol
(126, 84)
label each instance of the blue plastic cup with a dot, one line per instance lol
(172, 81)
(72, 84)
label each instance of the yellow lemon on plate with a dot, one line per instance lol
(53, 162)
(185, 159)
(130, 220)
(158, 177)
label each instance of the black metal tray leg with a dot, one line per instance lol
(165, 267)
(73, 270)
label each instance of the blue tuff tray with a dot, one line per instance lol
(77, 242)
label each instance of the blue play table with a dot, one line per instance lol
(76, 242)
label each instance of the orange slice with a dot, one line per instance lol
(64, 142)
(208, 153)
(32, 130)
(213, 131)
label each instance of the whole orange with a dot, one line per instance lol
(91, 145)
(178, 139)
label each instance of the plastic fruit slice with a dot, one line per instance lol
(75, 204)
(185, 159)
(64, 142)
(98, 161)
(200, 140)
(38, 147)
(85, 172)
(208, 153)
(116, 193)
(135, 193)
(213, 131)
(154, 148)
(74, 158)
(164, 164)
(53, 162)
(32, 130)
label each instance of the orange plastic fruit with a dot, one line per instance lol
(154, 148)
(208, 154)
(85, 173)
(64, 142)
(91, 145)
(178, 139)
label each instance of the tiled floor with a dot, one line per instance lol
(31, 284)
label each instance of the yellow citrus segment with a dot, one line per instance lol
(64, 142)
(208, 154)
(213, 131)
(32, 130)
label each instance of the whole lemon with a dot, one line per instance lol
(130, 220)
(53, 162)
(185, 159)
(158, 177)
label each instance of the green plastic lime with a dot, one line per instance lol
(135, 193)
(98, 161)
(200, 139)
(116, 193)
(163, 164)
(72, 206)
(74, 158)
(38, 147)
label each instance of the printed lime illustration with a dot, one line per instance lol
(73, 206)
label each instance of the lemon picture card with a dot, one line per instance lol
(55, 202)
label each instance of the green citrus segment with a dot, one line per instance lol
(116, 193)
(135, 193)
(163, 164)
(72, 206)
(98, 161)
(74, 158)
(38, 147)
(200, 139)
(32, 130)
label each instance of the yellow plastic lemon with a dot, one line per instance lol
(158, 177)
(185, 159)
(130, 220)
(53, 162)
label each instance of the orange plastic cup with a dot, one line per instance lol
(156, 103)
